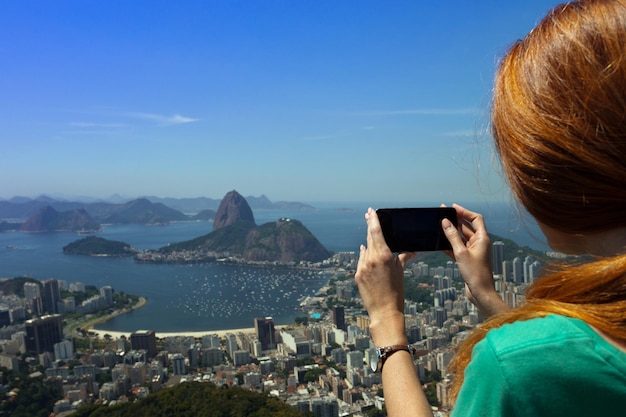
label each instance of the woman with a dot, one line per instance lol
(559, 125)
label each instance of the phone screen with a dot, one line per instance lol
(415, 229)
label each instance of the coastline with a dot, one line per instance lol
(161, 335)
(89, 325)
(115, 334)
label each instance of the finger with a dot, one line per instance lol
(375, 238)
(369, 231)
(475, 219)
(467, 229)
(452, 234)
(361, 262)
(405, 257)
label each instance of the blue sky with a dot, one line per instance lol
(299, 100)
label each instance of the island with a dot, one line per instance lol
(97, 246)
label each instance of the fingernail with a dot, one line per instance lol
(446, 224)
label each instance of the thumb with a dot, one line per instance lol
(405, 257)
(452, 234)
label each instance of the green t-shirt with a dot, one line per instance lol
(551, 366)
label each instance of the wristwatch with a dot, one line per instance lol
(380, 355)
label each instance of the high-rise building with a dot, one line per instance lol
(178, 364)
(497, 249)
(518, 270)
(51, 296)
(534, 270)
(440, 315)
(32, 294)
(264, 327)
(144, 340)
(339, 318)
(43, 333)
(354, 359)
(437, 282)
(324, 407)
(107, 293)
(231, 343)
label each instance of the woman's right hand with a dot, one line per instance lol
(472, 252)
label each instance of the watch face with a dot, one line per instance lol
(374, 360)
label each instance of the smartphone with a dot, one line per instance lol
(415, 229)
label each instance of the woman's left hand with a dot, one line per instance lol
(380, 278)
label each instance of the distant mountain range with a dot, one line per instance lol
(235, 233)
(48, 214)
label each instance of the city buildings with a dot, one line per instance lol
(51, 296)
(43, 333)
(322, 366)
(144, 340)
(264, 327)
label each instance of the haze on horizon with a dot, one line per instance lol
(300, 101)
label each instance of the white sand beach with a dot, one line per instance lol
(196, 334)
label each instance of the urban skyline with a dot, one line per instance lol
(329, 355)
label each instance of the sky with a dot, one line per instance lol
(298, 100)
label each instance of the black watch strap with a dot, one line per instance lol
(383, 353)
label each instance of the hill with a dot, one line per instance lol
(143, 211)
(236, 234)
(204, 215)
(233, 208)
(47, 219)
(16, 285)
(191, 399)
(21, 208)
(97, 246)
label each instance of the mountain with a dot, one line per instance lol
(204, 215)
(47, 219)
(288, 205)
(194, 205)
(233, 208)
(21, 208)
(260, 202)
(236, 234)
(188, 205)
(283, 241)
(145, 212)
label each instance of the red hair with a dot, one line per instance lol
(559, 125)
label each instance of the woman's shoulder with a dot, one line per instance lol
(550, 344)
(541, 331)
(552, 365)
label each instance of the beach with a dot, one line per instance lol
(89, 325)
(161, 335)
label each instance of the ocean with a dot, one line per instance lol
(212, 296)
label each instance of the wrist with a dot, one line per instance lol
(491, 304)
(388, 330)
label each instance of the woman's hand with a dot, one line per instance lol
(472, 253)
(380, 278)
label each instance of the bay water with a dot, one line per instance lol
(212, 296)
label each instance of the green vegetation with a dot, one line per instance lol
(282, 241)
(231, 237)
(26, 396)
(16, 285)
(193, 399)
(97, 246)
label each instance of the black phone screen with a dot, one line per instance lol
(415, 229)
